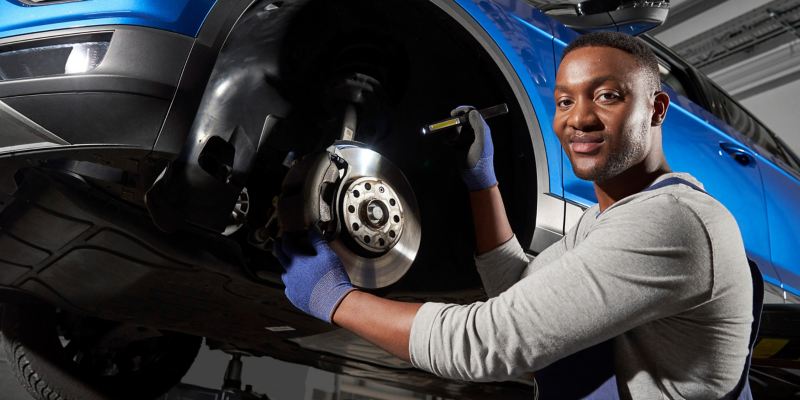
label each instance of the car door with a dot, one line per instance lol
(701, 143)
(780, 171)
(782, 190)
(694, 143)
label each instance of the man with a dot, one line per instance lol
(659, 268)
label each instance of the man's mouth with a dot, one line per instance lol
(585, 144)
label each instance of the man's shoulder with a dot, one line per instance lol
(671, 193)
(675, 208)
(686, 193)
(665, 208)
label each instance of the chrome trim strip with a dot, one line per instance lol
(549, 222)
(542, 239)
(773, 294)
(791, 298)
(572, 214)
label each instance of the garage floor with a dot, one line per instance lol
(276, 379)
(284, 381)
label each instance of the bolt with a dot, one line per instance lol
(375, 212)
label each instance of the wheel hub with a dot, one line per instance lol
(372, 214)
(387, 240)
(362, 203)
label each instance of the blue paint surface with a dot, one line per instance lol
(179, 16)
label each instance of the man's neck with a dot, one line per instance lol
(631, 181)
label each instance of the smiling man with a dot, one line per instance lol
(657, 266)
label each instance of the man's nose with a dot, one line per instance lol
(583, 117)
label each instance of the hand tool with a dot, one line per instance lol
(486, 113)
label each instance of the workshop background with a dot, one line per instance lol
(751, 48)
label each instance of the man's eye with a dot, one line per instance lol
(608, 96)
(564, 103)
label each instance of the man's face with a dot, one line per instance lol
(604, 109)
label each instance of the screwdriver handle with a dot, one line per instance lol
(486, 113)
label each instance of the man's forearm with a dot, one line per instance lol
(489, 215)
(386, 323)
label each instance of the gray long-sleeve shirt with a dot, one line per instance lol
(663, 272)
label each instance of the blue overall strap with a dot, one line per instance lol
(589, 373)
(673, 181)
(742, 389)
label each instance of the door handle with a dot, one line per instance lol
(738, 153)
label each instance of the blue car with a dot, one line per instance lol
(151, 152)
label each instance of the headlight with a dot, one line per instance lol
(40, 59)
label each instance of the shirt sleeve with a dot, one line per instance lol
(508, 263)
(501, 267)
(636, 265)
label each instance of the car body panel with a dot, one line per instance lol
(782, 194)
(137, 76)
(180, 16)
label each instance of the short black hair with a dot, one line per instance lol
(627, 43)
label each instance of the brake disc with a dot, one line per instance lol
(363, 204)
(379, 218)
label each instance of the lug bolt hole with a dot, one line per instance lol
(396, 218)
(356, 193)
(355, 226)
(392, 234)
(381, 189)
(392, 202)
(351, 209)
(381, 242)
(367, 186)
(366, 239)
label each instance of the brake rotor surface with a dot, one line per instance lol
(380, 228)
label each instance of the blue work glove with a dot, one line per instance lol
(315, 282)
(478, 172)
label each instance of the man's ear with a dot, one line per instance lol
(660, 106)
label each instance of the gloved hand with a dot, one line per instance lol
(478, 172)
(315, 283)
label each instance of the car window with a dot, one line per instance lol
(669, 78)
(756, 133)
(791, 158)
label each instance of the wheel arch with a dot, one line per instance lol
(184, 178)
